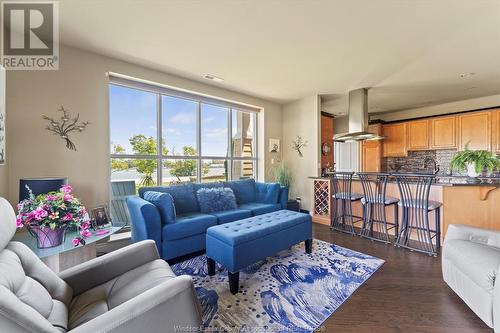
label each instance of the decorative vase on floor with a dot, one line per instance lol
(47, 237)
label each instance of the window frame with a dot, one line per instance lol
(231, 107)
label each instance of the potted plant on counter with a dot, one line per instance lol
(474, 162)
(47, 216)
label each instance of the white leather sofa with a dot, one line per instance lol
(470, 264)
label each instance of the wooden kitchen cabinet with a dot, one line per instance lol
(443, 133)
(395, 140)
(418, 135)
(496, 126)
(475, 128)
(371, 151)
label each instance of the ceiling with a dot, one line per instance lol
(410, 52)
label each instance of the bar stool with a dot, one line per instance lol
(375, 201)
(414, 190)
(342, 199)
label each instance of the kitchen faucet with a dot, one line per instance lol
(433, 160)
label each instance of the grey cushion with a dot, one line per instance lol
(420, 204)
(111, 294)
(32, 285)
(59, 315)
(345, 195)
(388, 200)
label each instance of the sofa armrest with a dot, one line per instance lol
(171, 306)
(145, 220)
(473, 234)
(102, 269)
(283, 198)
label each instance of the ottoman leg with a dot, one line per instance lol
(308, 245)
(234, 282)
(211, 266)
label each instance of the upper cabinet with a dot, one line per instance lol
(418, 135)
(496, 126)
(395, 140)
(371, 154)
(475, 129)
(443, 133)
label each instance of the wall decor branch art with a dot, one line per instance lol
(65, 125)
(298, 144)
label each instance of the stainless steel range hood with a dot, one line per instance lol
(358, 118)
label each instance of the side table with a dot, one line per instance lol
(64, 256)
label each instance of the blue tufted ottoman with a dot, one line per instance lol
(242, 243)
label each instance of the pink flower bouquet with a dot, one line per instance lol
(48, 215)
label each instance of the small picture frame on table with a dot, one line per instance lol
(100, 217)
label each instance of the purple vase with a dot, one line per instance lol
(47, 237)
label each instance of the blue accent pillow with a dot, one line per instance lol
(165, 204)
(267, 192)
(244, 190)
(184, 196)
(216, 199)
(207, 185)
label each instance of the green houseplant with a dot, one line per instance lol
(474, 161)
(283, 175)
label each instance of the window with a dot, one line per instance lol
(202, 139)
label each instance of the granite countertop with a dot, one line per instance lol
(443, 180)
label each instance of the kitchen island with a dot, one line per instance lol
(475, 204)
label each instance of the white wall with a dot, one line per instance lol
(439, 109)
(82, 87)
(302, 118)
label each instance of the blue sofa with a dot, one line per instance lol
(182, 229)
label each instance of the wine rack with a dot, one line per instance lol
(321, 201)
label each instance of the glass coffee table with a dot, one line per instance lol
(64, 256)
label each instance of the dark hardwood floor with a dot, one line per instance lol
(407, 294)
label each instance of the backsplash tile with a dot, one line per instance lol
(411, 163)
(415, 160)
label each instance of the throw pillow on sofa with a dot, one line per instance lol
(165, 204)
(216, 199)
(244, 190)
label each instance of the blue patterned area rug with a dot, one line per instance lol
(290, 292)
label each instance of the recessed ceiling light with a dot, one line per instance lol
(213, 78)
(464, 75)
(470, 88)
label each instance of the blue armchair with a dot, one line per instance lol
(174, 220)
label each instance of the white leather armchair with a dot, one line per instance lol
(470, 264)
(129, 290)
